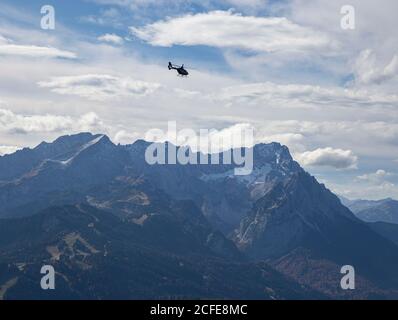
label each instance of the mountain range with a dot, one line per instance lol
(385, 210)
(115, 227)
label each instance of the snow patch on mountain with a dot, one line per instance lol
(84, 147)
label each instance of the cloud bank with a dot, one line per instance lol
(225, 29)
(24, 124)
(299, 95)
(99, 87)
(336, 158)
(7, 47)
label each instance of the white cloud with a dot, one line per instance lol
(291, 139)
(336, 158)
(207, 140)
(187, 94)
(111, 38)
(88, 122)
(375, 185)
(362, 137)
(125, 137)
(35, 51)
(99, 87)
(225, 29)
(235, 136)
(7, 47)
(298, 95)
(22, 124)
(378, 177)
(8, 150)
(361, 190)
(367, 71)
(3, 40)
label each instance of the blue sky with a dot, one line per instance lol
(286, 68)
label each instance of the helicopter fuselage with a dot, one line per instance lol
(182, 71)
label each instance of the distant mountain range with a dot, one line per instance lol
(114, 226)
(385, 210)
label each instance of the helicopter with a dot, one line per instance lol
(180, 69)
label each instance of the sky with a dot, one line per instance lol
(286, 68)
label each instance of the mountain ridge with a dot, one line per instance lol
(384, 210)
(278, 215)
